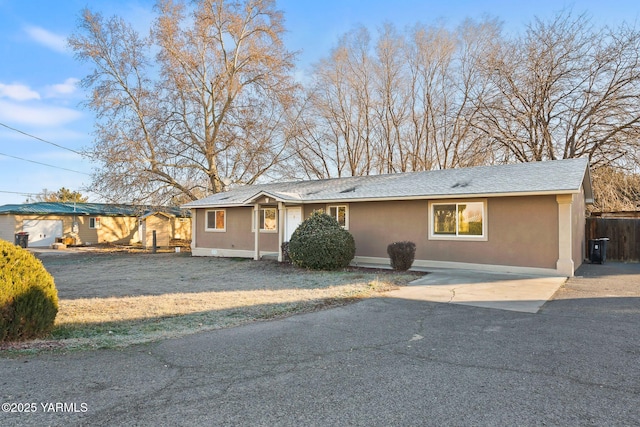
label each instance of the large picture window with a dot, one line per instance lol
(458, 220)
(341, 214)
(216, 220)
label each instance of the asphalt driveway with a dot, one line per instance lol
(383, 361)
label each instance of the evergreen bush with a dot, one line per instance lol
(401, 255)
(319, 243)
(28, 296)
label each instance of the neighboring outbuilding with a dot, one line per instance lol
(91, 223)
(526, 218)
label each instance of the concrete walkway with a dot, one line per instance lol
(481, 289)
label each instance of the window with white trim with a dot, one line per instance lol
(216, 220)
(465, 220)
(268, 218)
(340, 213)
(94, 223)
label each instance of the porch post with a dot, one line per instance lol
(194, 215)
(564, 265)
(256, 222)
(280, 229)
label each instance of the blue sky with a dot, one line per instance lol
(39, 76)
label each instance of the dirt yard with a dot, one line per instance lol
(112, 298)
(116, 274)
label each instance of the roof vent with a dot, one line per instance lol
(349, 190)
(460, 184)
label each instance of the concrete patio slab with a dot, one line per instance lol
(481, 289)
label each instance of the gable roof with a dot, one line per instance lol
(535, 178)
(97, 209)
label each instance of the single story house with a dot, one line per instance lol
(91, 223)
(525, 218)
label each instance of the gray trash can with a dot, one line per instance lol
(598, 250)
(21, 239)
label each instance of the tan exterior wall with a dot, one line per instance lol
(522, 231)
(121, 230)
(374, 225)
(162, 226)
(8, 227)
(238, 234)
(181, 228)
(116, 229)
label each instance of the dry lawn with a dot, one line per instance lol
(116, 299)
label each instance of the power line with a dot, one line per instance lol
(40, 139)
(43, 164)
(22, 193)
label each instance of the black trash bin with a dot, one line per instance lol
(21, 239)
(598, 250)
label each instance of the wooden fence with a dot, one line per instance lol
(623, 234)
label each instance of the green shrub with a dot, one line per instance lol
(319, 243)
(401, 255)
(28, 296)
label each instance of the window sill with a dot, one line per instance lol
(460, 238)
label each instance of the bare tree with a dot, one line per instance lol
(565, 90)
(210, 112)
(393, 101)
(447, 82)
(615, 190)
(336, 127)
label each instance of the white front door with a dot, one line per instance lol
(42, 232)
(293, 220)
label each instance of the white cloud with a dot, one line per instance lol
(42, 115)
(47, 38)
(68, 87)
(18, 92)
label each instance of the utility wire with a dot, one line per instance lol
(22, 193)
(43, 164)
(40, 139)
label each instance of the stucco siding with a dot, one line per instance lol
(579, 221)
(238, 234)
(521, 231)
(374, 225)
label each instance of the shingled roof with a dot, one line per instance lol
(551, 177)
(95, 209)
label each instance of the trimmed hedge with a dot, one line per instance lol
(28, 296)
(319, 243)
(401, 255)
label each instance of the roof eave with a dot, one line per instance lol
(392, 198)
